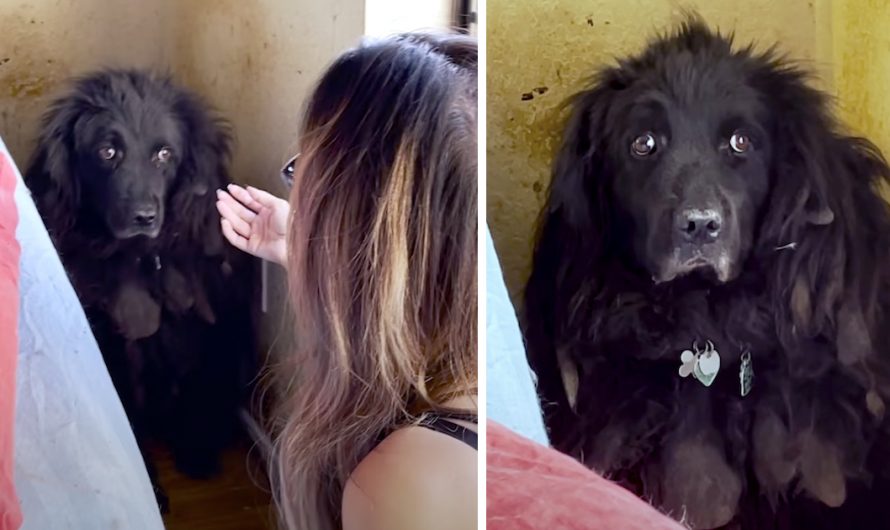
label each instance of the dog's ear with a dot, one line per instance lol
(576, 193)
(203, 170)
(827, 226)
(50, 175)
(572, 239)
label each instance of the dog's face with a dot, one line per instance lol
(690, 157)
(127, 158)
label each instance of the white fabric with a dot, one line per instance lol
(511, 397)
(77, 464)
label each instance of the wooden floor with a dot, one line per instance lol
(237, 499)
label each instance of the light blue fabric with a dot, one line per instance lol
(511, 397)
(77, 465)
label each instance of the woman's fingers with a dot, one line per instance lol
(262, 197)
(245, 198)
(240, 226)
(236, 240)
(237, 207)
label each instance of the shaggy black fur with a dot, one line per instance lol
(124, 176)
(803, 286)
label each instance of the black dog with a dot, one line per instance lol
(124, 176)
(708, 307)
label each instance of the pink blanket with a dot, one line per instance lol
(532, 487)
(10, 514)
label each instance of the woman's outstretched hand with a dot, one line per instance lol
(254, 221)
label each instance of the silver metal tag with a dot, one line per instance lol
(746, 374)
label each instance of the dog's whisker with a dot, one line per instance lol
(789, 246)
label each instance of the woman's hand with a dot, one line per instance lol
(254, 221)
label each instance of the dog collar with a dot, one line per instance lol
(153, 260)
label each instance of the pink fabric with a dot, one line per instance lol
(10, 513)
(533, 487)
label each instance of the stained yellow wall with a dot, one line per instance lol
(255, 61)
(861, 54)
(547, 48)
(44, 43)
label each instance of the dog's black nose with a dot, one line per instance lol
(145, 216)
(699, 226)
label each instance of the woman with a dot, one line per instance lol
(377, 416)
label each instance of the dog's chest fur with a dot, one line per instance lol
(139, 284)
(634, 409)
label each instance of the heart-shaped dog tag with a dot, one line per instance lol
(706, 367)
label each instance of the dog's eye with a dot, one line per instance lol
(643, 145)
(165, 154)
(739, 142)
(287, 172)
(107, 152)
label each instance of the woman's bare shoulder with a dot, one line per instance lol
(415, 478)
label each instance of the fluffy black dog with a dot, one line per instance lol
(124, 176)
(705, 201)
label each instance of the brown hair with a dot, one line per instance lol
(382, 262)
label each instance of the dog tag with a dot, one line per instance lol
(746, 374)
(707, 365)
(688, 359)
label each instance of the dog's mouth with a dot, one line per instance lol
(711, 263)
(140, 219)
(129, 232)
(137, 226)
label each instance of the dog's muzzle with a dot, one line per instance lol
(698, 245)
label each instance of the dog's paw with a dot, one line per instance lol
(699, 485)
(179, 297)
(774, 464)
(135, 312)
(608, 450)
(822, 474)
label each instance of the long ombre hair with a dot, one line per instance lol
(382, 262)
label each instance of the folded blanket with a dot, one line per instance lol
(530, 486)
(511, 396)
(10, 514)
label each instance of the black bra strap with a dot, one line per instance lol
(456, 415)
(458, 432)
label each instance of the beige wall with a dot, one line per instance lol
(554, 45)
(44, 43)
(255, 61)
